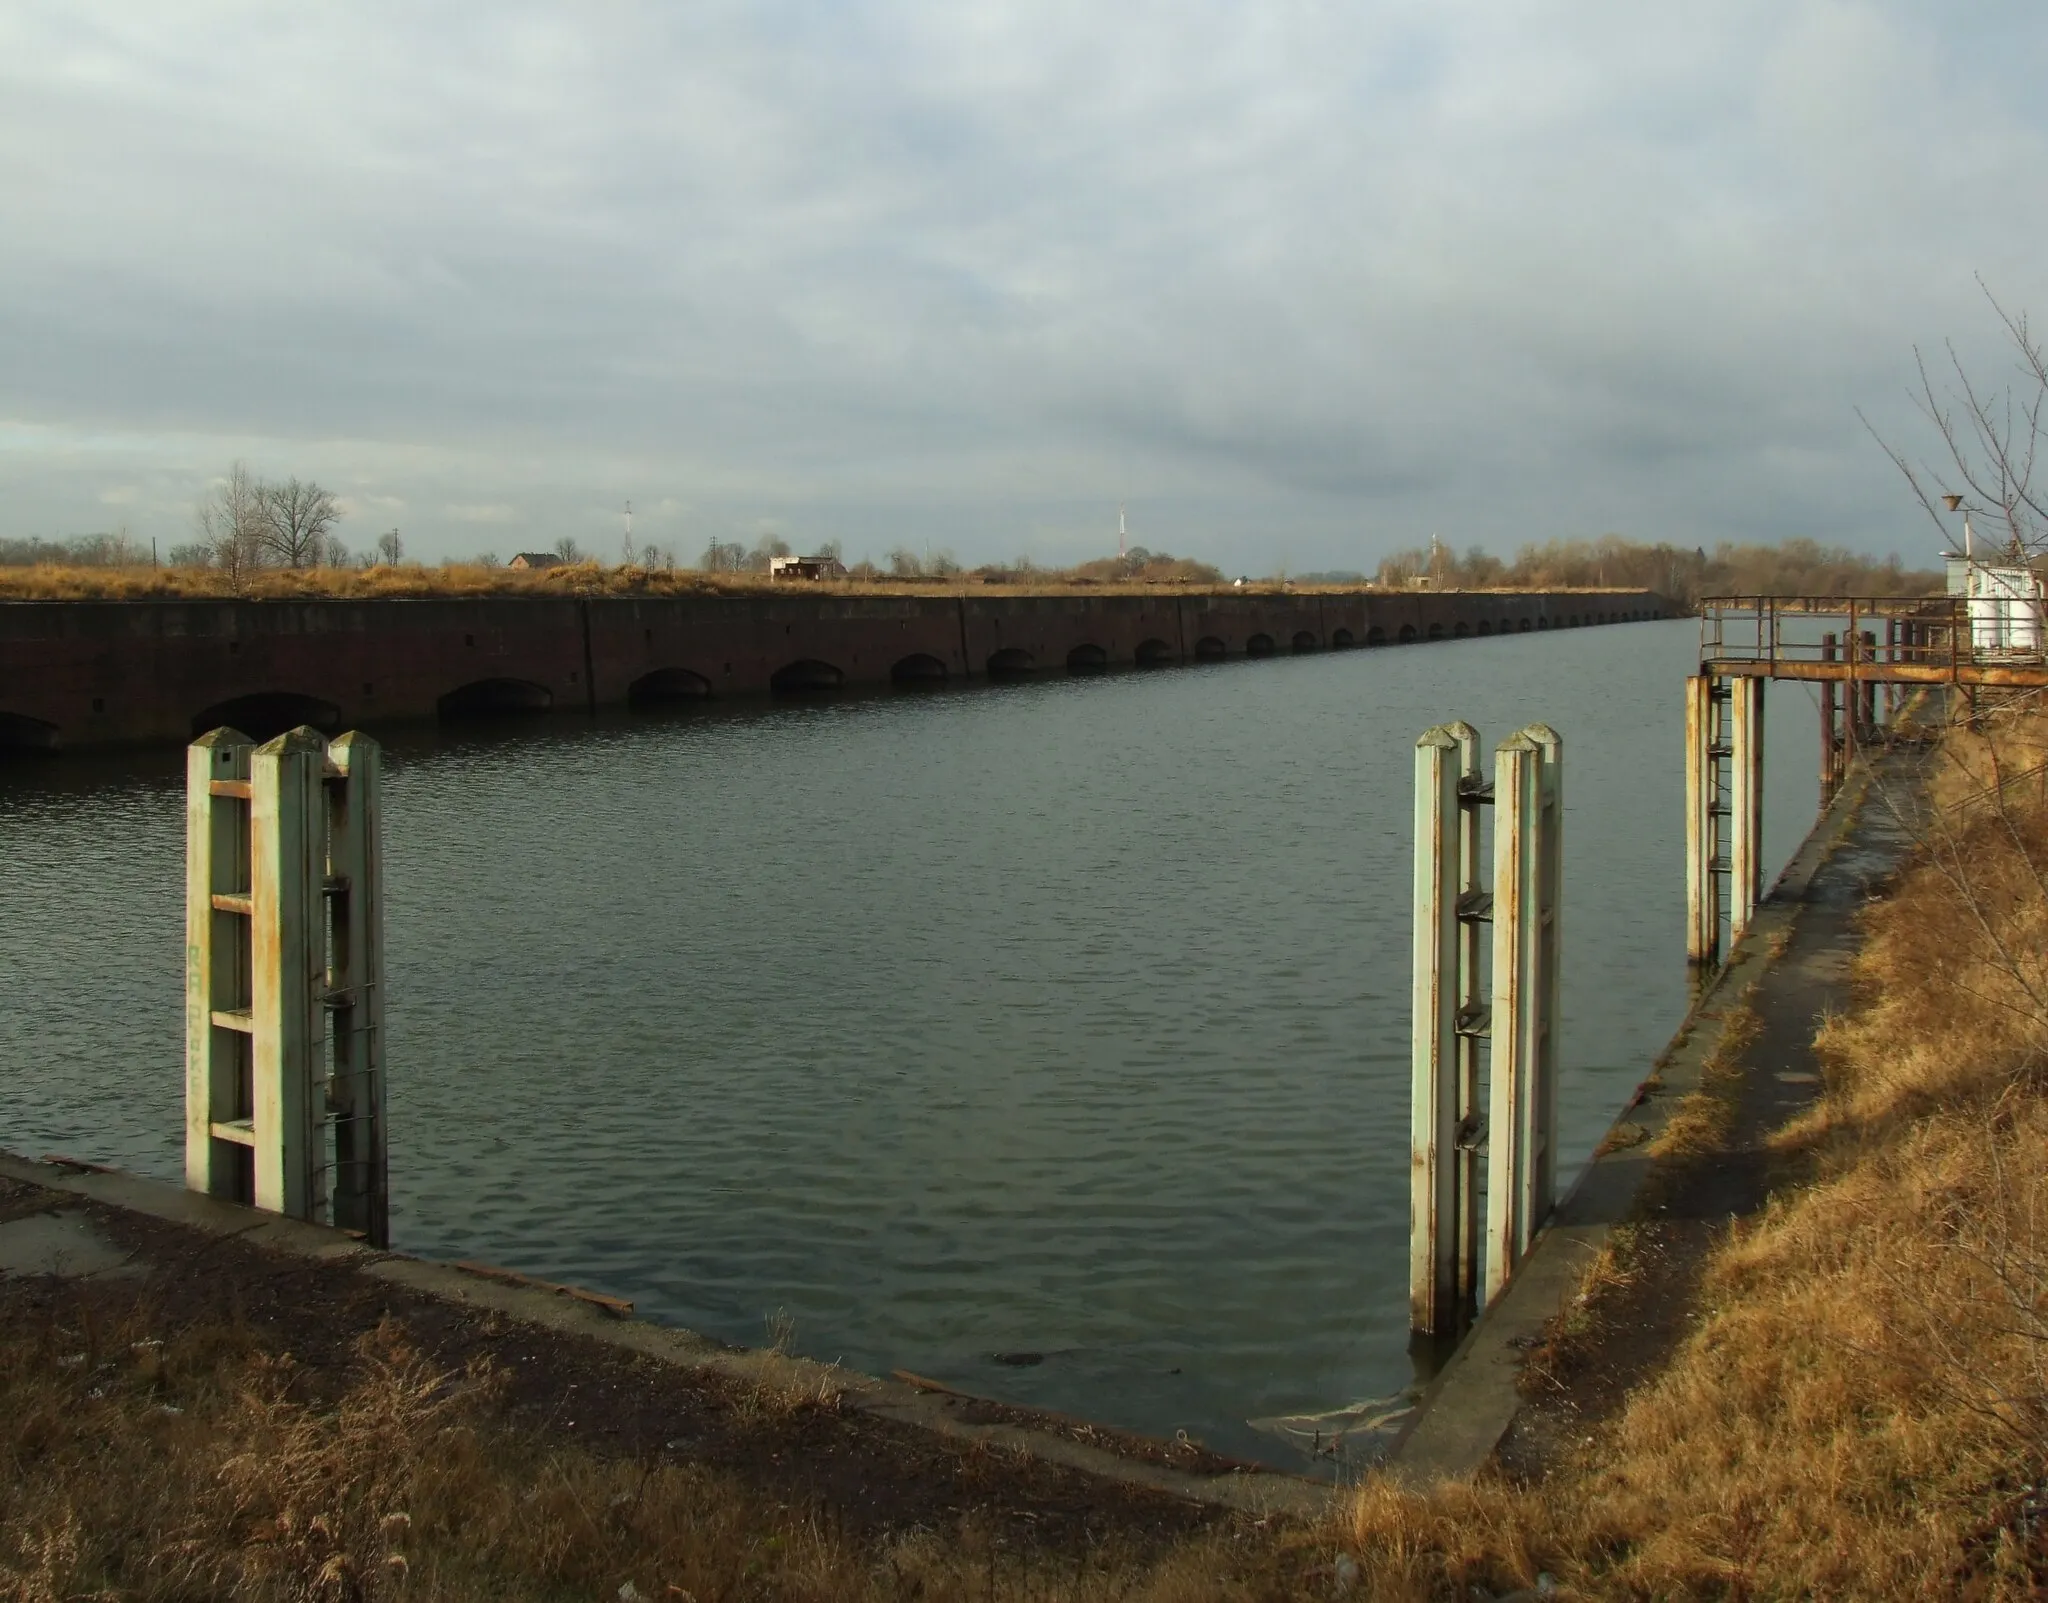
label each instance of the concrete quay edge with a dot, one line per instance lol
(1246, 1489)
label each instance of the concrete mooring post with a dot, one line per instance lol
(218, 1080)
(283, 923)
(1745, 803)
(1724, 810)
(1522, 1090)
(1444, 1107)
(355, 985)
(1702, 812)
(1450, 1259)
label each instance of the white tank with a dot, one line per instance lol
(2005, 611)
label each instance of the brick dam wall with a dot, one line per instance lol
(83, 673)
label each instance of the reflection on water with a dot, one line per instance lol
(1064, 1018)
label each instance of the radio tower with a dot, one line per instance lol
(1119, 531)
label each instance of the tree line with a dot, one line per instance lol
(1790, 568)
(245, 522)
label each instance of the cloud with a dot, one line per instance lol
(1304, 275)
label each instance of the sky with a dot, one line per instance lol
(1298, 282)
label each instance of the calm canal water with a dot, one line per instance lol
(1064, 1019)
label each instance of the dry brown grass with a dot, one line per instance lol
(203, 1466)
(51, 583)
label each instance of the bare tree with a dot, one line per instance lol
(768, 547)
(390, 548)
(296, 518)
(233, 525)
(568, 550)
(1991, 439)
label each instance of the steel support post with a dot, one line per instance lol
(1830, 731)
(217, 952)
(1894, 643)
(355, 986)
(288, 969)
(1702, 888)
(1866, 697)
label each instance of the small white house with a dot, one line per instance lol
(806, 568)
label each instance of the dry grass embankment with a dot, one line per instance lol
(1861, 1408)
(46, 582)
(140, 1459)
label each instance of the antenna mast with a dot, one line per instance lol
(629, 534)
(1119, 531)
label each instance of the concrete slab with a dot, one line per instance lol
(61, 1244)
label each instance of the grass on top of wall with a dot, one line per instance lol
(45, 582)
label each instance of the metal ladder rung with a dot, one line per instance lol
(240, 1131)
(235, 1018)
(233, 902)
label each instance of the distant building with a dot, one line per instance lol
(806, 568)
(528, 560)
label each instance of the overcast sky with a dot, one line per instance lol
(1301, 282)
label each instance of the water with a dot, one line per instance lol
(1066, 1018)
